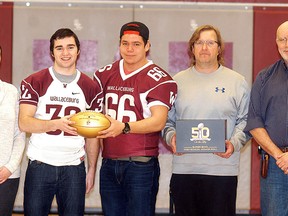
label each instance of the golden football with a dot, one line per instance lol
(89, 123)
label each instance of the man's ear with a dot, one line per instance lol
(147, 46)
(219, 50)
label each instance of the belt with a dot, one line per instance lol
(40, 162)
(143, 159)
(35, 161)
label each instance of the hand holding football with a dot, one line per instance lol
(89, 123)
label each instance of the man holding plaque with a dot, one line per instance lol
(206, 183)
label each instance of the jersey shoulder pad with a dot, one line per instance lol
(110, 67)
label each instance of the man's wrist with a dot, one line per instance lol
(126, 128)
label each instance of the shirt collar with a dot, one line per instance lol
(285, 65)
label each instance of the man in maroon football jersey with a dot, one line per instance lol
(56, 153)
(137, 97)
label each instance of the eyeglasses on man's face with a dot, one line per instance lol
(209, 43)
(282, 41)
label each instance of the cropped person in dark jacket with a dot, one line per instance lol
(267, 122)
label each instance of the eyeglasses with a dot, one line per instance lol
(209, 43)
(282, 41)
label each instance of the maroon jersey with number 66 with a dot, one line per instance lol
(128, 98)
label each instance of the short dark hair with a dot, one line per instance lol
(63, 33)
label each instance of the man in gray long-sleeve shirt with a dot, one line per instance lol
(205, 183)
